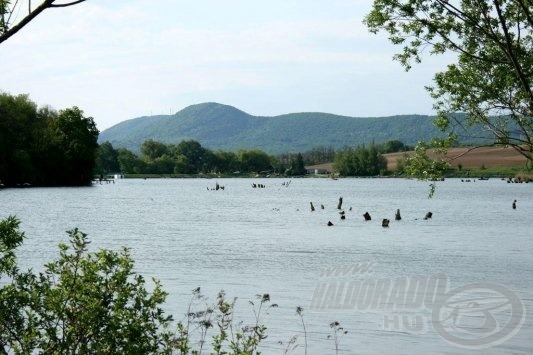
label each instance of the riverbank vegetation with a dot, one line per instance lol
(190, 158)
(186, 158)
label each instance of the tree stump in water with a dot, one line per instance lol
(339, 206)
(398, 217)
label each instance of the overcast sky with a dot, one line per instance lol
(122, 59)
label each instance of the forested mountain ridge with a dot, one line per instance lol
(218, 126)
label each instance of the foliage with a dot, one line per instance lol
(153, 150)
(129, 163)
(314, 156)
(106, 159)
(491, 80)
(393, 146)
(420, 164)
(187, 157)
(318, 155)
(82, 303)
(254, 160)
(226, 161)
(44, 147)
(297, 166)
(75, 136)
(360, 161)
(195, 158)
(10, 239)
(11, 9)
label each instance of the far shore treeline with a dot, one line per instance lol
(44, 147)
(189, 158)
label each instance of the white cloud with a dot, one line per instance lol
(120, 59)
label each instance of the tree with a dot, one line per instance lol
(128, 162)
(297, 165)
(10, 9)
(76, 137)
(254, 161)
(360, 162)
(17, 118)
(492, 79)
(151, 149)
(196, 156)
(106, 159)
(163, 165)
(44, 147)
(393, 146)
(226, 161)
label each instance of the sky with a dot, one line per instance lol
(121, 59)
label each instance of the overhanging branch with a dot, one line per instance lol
(67, 4)
(33, 14)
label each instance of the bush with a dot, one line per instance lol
(82, 303)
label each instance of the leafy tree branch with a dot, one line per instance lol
(491, 80)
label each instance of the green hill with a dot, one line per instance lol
(218, 126)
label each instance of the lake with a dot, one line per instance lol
(250, 241)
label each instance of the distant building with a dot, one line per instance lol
(320, 169)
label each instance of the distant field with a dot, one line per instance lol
(488, 157)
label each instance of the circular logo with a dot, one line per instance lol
(478, 315)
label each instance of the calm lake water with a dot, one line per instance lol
(248, 241)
